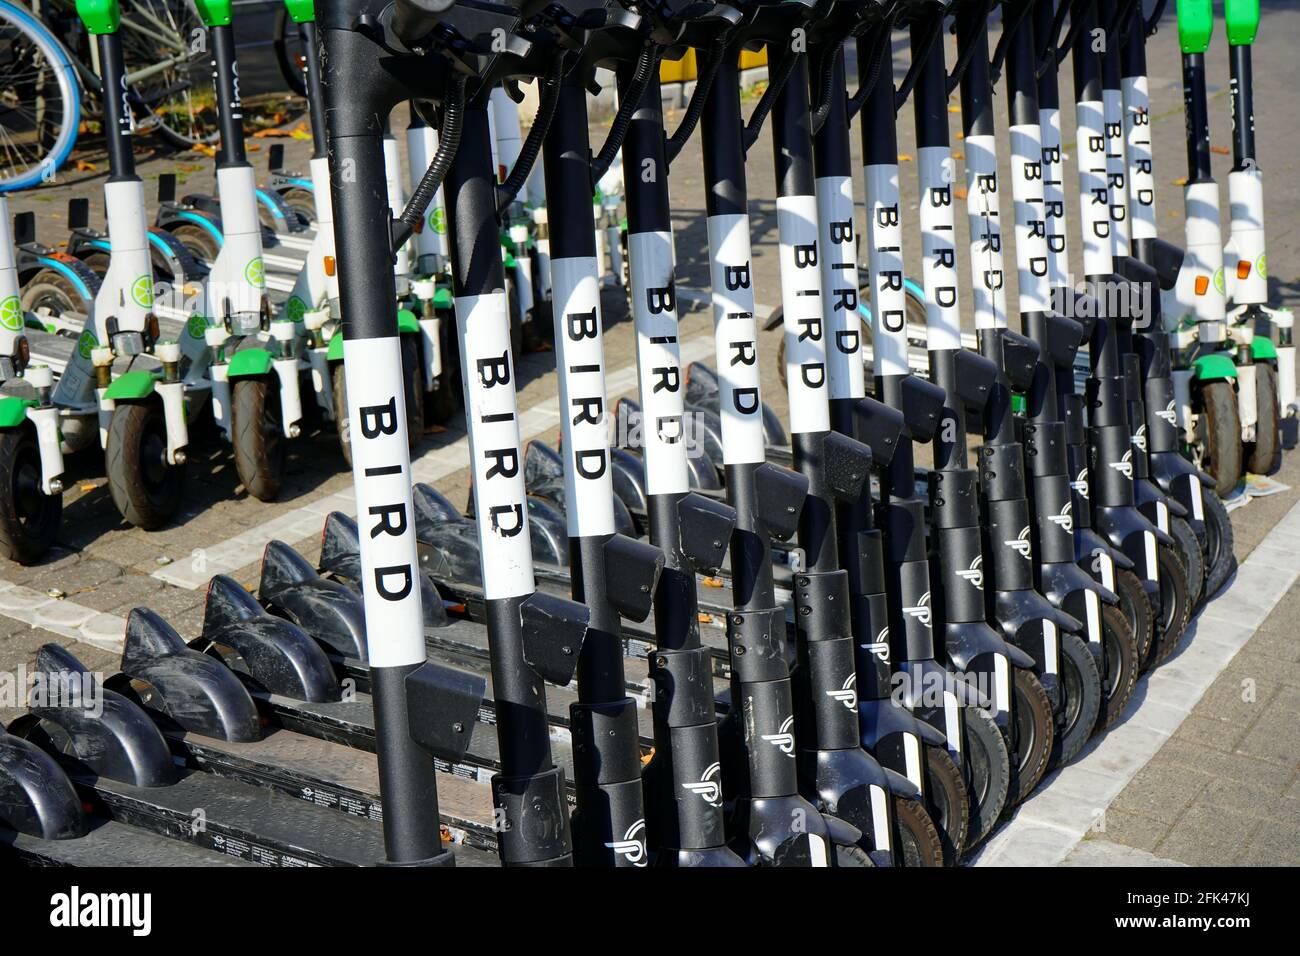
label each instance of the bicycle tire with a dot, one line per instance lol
(65, 77)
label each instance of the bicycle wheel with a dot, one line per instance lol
(168, 66)
(40, 101)
(288, 52)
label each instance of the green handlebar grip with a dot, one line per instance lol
(1195, 25)
(99, 16)
(300, 11)
(214, 13)
(1242, 18)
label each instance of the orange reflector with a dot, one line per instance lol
(1202, 285)
(1243, 268)
(329, 266)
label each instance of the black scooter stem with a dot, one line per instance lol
(833, 767)
(765, 783)
(609, 827)
(380, 450)
(117, 117)
(683, 778)
(230, 150)
(530, 788)
(311, 70)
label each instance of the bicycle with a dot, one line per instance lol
(40, 100)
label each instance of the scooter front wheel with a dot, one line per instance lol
(341, 421)
(947, 801)
(1175, 607)
(1193, 559)
(257, 435)
(1035, 730)
(916, 838)
(1221, 456)
(1263, 453)
(1081, 683)
(146, 489)
(1136, 608)
(29, 519)
(988, 772)
(1121, 656)
(1219, 560)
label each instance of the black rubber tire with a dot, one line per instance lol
(341, 422)
(54, 291)
(198, 241)
(302, 201)
(1081, 688)
(146, 490)
(947, 801)
(1219, 559)
(1175, 605)
(1265, 452)
(413, 379)
(1189, 551)
(987, 767)
(1222, 454)
(1122, 662)
(257, 434)
(97, 262)
(916, 838)
(29, 519)
(163, 272)
(852, 857)
(1137, 610)
(1035, 731)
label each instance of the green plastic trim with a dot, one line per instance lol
(1216, 365)
(1242, 20)
(13, 410)
(508, 261)
(406, 321)
(132, 385)
(100, 16)
(300, 11)
(248, 362)
(216, 13)
(335, 353)
(1195, 25)
(1263, 349)
(442, 298)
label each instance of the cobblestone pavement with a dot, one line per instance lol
(1221, 789)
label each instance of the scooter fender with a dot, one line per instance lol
(923, 403)
(433, 507)
(705, 531)
(547, 532)
(966, 643)
(628, 477)
(178, 435)
(853, 789)
(326, 609)
(705, 434)
(541, 462)
(46, 422)
(322, 381)
(632, 569)
(277, 655)
(36, 796)
(923, 677)
(1178, 477)
(196, 691)
(113, 739)
(442, 705)
(340, 556)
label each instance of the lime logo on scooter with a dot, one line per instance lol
(1021, 543)
(848, 694)
(142, 292)
(1218, 280)
(86, 344)
(974, 575)
(255, 272)
(783, 739)
(197, 326)
(1064, 519)
(921, 610)
(1261, 266)
(295, 308)
(708, 788)
(438, 221)
(11, 313)
(1125, 465)
(632, 845)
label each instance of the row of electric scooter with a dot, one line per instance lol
(732, 640)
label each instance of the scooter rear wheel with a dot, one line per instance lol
(988, 772)
(1189, 552)
(1121, 654)
(1219, 560)
(1035, 730)
(1222, 453)
(257, 435)
(201, 243)
(947, 801)
(1081, 684)
(145, 488)
(916, 838)
(1175, 607)
(1263, 453)
(52, 291)
(29, 519)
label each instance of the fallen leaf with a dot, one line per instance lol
(961, 135)
(712, 582)
(1221, 150)
(958, 155)
(205, 149)
(271, 134)
(904, 157)
(89, 487)
(960, 192)
(954, 109)
(86, 166)
(1180, 181)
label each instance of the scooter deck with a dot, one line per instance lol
(109, 843)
